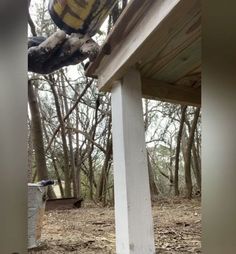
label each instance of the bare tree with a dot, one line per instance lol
(63, 137)
(188, 178)
(103, 178)
(182, 119)
(37, 137)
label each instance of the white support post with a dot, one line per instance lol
(133, 215)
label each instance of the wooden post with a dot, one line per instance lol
(133, 215)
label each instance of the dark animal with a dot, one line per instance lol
(78, 203)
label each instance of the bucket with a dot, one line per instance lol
(37, 196)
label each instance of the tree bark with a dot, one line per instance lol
(102, 183)
(196, 167)
(71, 152)
(171, 178)
(188, 178)
(195, 158)
(152, 184)
(58, 176)
(176, 178)
(77, 158)
(91, 176)
(63, 137)
(91, 147)
(30, 154)
(52, 155)
(37, 138)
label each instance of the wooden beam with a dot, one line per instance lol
(114, 66)
(133, 215)
(163, 91)
(151, 30)
(130, 15)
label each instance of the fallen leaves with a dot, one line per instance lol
(91, 230)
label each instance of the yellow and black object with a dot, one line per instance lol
(80, 16)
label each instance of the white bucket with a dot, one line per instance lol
(36, 208)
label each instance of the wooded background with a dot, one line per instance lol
(70, 131)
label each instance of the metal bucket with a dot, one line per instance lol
(36, 206)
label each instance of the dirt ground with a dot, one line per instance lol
(91, 229)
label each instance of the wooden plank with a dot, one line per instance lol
(147, 36)
(180, 64)
(126, 21)
(192, 78)
(133, 216)
(179, 52)
(123, 56)
(163, 91)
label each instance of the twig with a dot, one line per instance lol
(68, 114)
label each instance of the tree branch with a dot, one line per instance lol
(68, 114)
(30, 21)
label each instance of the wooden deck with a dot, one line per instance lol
(162, 39)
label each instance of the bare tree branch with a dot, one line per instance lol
(68, 114)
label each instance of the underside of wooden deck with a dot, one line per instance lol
(161, 39)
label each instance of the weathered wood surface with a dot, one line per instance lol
(161, 38)
(163, 91)
(127, 20)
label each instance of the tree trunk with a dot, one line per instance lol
(152, 184)
(102, 184)
(37, 138)
(30, 154)
(71, 152)
(197, 167)
(64, 143)
(52, 155)
(176, 179)
(91, 176)
(58, 176)
(188, 178)
(92, 133)
(195, 158)
(171, 172)
(77, 158)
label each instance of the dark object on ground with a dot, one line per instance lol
(63, 203)
(46, 182)
(78, 203)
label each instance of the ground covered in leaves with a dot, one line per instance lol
(91, 229)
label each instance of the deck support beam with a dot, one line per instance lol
(133, 214)
(163, 91)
